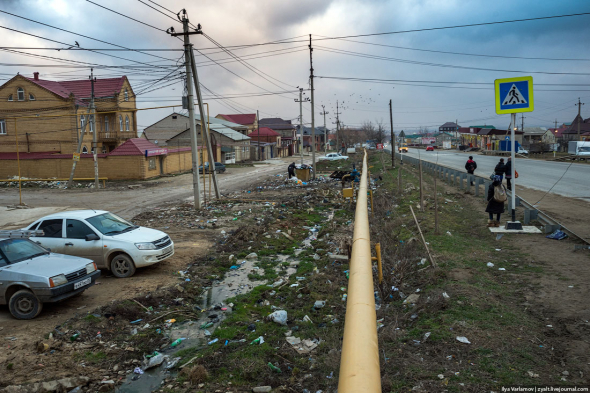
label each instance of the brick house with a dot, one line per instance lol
(571, 133)
(285, 129)
(53, 112)
(230, 145)
(246, 119)
(136, 158)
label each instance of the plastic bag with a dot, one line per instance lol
(279, 316)
(154, 361)
(557, 235)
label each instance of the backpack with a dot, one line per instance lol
(500, 194)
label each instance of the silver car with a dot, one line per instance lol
(110, 241)
(31, 275)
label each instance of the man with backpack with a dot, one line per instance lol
(500, 169)
(496, 198)
(471, 166)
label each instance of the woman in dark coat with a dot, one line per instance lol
(494, 207)
(500, 169)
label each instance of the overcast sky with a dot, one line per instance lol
(284, 67)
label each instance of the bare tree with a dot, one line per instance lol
(369, 129)
(380, 133)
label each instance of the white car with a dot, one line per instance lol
(335, 156)
(110, 241)
(522, 151)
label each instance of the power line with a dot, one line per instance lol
(397, 60)
(155, 9)
(462, 53)
(125, 16)
(78, 34)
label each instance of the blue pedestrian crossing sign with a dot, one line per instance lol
(514, 95)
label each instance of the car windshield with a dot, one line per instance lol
(18, 250)
(584, 149)
(110, 224)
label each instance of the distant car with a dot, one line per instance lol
(334, 157)
(219, 167)
(31, 275)
(402, 149)
(522, 151)
(371, 147)
(110, 241)
(430, 148)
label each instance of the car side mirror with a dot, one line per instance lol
(92, 237)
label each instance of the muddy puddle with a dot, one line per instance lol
(194, 333)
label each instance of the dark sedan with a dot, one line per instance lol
(219, 167)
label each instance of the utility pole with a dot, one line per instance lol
(191, 113)
(312, 110)
(579, 104)
(392, 135)
(456, 130)
(80, 138)
(337, 127)
(258, 125)
(93, 128)
(325, 130)
(522, 124)
(300, 101)
(201, 109)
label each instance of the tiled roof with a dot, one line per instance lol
(449, 124)
(43, 155)
(244, 119)
(263, 131)
(276, 123)
(133, 147)
(573, 128)
(81, 89)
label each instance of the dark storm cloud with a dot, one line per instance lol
(285, 13)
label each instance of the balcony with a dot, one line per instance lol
(110, 136)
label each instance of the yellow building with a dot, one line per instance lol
(40, 105)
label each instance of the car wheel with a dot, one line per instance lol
(24, 305)
(122, 266)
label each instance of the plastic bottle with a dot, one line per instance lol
(177, 341)
(274, 368)
(74, 337)
(212, 341)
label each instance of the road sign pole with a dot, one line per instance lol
(513, 166)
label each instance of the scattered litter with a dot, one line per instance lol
(279, 316)
(557, 235)
(259, 341)
(172, 363)
(176, 342)
(463, 340)
(426, 335)
(490, 264)
(274, 368)
(319, 304)
(137, 321)
(440, 376)
(252, 255)
(154, 361)
(445, 296)
(138, 370)
(412, 299)
(170, 321)
(498, 249)
(501, 269)
(449, 233)
(213, 341)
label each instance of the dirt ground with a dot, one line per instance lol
(574, 213)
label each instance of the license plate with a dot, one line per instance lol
(167, 250)
(82, 283)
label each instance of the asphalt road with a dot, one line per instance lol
(535, 174)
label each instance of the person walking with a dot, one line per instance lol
(471, 166)
(291, 170)
(508, 171)
(496, 198)
(500, 169)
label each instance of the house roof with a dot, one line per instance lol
(263, 131)
(159, 137)
(226, 128)
(81, 89)
(227, 123)
(584, 126)
(244, 119)
(318, 130)
(133, 147)
(495, 131)
(276, 123)
(484, 126)
(449, 124)
(535, 131)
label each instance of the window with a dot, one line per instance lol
(82, 122)
(174, 117)
(10, 98)
(2, 127)
(152, 164)
(84, 150)
(76, 229)
(126, 94)
(20, 93)
(51, 228)
(120, 123)
(106, 124)
(91, 123)
(126, 123)
(110, 224)
(31, 97)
